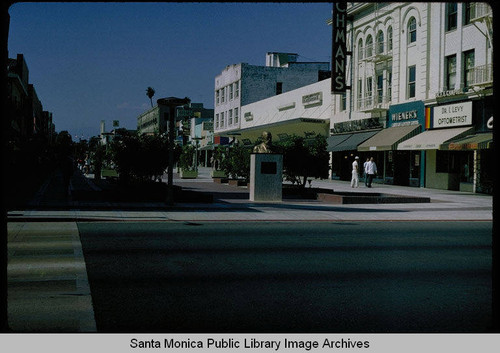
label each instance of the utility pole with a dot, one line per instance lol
(171, 103)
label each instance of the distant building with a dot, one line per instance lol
(242, 84)
(27, 119)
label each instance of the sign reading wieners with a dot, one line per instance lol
(339, 47)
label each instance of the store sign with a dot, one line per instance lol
(357, 125)
(248, 116)
(312, 99)
(451, 115)
(412, 113)
(339, 47)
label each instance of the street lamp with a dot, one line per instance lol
(171, 103)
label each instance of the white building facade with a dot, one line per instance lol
(242, 84)
(409, 61)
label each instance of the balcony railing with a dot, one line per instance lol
(479, 10)
(480, 75)
(376, 52)
(376, 102)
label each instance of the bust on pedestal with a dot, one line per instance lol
(266, 172)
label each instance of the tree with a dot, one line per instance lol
(150, 92)
(237, 162)
(304, 159)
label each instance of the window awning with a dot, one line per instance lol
(472, 142)
(388, 139)
(433, 139)
(348, 142)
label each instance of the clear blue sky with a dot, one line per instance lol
(93, 61)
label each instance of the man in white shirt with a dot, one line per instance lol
(371, 170)
(365, 167)
(355, 173)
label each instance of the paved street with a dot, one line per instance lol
(283, 277)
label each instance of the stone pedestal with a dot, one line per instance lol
(266, 177)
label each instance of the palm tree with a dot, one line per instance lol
(150, 92)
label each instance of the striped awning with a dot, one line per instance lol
(472, 142)
(388, 139)
(433, 139)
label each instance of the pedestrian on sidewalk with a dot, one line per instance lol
(355, 173)
(371, 170)
(365, 167)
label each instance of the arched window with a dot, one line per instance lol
(369, 46)
(389, 38)
(380, 42)
(360, 49)
(412, 30)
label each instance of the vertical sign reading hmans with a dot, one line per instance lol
(339, 47)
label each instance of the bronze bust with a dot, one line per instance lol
(266, 145)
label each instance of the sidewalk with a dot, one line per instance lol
(231, 203)
(48, 289)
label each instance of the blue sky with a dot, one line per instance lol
(93, 61)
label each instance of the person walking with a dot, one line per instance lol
(365, 167)
(355, 173)
(371, 170)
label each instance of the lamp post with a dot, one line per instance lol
(171, 103)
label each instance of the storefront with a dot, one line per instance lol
(398, 167)
(445, 168)
(343, 144)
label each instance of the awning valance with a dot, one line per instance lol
(388, 139)
(433, 139)
(348, 142)
(472, 142)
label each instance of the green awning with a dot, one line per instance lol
(472, 142)
(348, 142)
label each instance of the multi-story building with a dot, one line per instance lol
(420, 77)
(420, 97)
(27, 119)
(242, 84)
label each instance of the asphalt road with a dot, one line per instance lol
(294, 277)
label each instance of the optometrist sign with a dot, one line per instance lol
(451, 115)
(339, 47)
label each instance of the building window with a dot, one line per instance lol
(343, 102)
(380, 88)
(360, 49)
(360, 92)
(468, 68)
(236, 89)
(236, 116)
(230, 118)
(216, 121)
(222, 94)
(279, 87)
(231, 92)
(451, 16)
(411, 81)
(380, 42)
(451, 72)
(389, 39)
(467, 12)
(222, 125)
(412, 30)
(369, 88)
(389, 86)
(369, 46)
(217, 97)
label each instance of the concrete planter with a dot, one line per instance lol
(237, 182)
(218, 174)
(188, 174)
